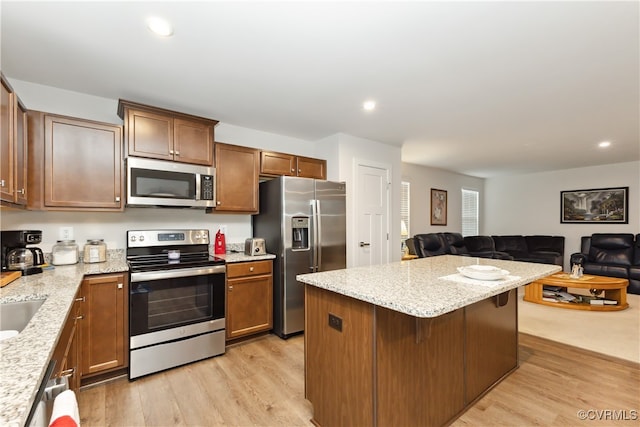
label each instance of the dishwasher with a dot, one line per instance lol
(49, 389)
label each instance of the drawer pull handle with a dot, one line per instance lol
(80, 317)
(81, 299)
(68, 372)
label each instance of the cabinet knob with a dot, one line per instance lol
(80, 317)
(293, 170)
(2, 183)
(299, 170)
(117, 198)
(68, 372)
(120, 285)
(177, 153)
(230, 288)
(250, 268)
(170, 151)
(81, 299)
(21, 191)
(218, 203)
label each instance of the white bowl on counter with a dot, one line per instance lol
(483, 272)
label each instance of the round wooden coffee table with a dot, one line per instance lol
(614, 289)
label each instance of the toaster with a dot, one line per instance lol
(255, 246)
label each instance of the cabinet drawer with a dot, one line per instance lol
(252, 268)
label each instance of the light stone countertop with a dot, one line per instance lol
(24, 358)
(417, 287)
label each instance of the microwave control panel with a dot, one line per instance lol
(206, 187)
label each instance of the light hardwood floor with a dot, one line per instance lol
(261, 383)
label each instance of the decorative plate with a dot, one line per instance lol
(483, 272)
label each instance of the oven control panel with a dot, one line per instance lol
(145, 238)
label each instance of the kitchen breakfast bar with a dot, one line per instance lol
(410, 343)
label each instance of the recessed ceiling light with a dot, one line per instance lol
(160, 26)
(604, 144)
(369, 105)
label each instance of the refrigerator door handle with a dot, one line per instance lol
(319, 237)
(314, 234)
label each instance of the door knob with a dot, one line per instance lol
(363, 244)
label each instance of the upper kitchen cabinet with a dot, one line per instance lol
(166, 135)
(278, 164)
(237, 178)
(13, 148)
(74, 164)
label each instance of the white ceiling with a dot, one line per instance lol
(480, 88)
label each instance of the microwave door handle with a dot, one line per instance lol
(198, 178)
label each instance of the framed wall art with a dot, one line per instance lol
(438, 207)
(596, 206)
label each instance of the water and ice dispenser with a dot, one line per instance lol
(300, 232)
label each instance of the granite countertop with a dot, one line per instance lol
(24, 358)
(419, 287)
(231, 257)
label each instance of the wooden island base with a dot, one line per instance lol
(370, 366)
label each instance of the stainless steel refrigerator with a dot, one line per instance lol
(303, 223)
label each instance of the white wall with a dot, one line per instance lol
(352, 149)
(422, 179)
(530, 204)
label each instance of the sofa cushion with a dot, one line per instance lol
(455, 243)
(511, 244)
(613, 249)
(539, 243)
(636, 257)
(607, 270)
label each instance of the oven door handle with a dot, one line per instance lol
(146, 276)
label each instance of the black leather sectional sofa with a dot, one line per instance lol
(540, 249)
(613, 255)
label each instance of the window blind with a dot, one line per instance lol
(404, 210)
(470, 216)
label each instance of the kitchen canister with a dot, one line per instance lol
(64, 252)
(95, 250)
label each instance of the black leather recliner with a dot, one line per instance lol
(455, 244)
(429, 244)
(613, 255)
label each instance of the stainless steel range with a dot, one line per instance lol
(176, 301)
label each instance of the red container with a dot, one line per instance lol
(220, 246)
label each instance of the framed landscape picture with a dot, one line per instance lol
(597, 206)
(438, 207)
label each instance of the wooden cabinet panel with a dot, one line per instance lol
(193, 142)
(21, 156)
(104, 327)
(66, 352)
(249, 298)
(162, 134)
(311, 168)
(277, 164)
(13, 147)
(149, 135)
(282, 164)
(6, 142)
(491, 348)
(237, 178)
(82, 163)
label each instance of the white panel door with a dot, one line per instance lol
(372, 213)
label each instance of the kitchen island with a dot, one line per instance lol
(409, 343)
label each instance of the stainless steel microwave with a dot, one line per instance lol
(172, 184)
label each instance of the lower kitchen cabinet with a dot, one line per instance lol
(249, 298)
(66, 353)
(104, 337)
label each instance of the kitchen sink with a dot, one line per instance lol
(16, 315)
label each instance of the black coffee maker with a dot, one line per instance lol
(16, 255)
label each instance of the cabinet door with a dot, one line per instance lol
(277, 164)
(237, 178)
(149, 135)
(21, 154)
(105, 324)
(83, 164)
(249, 305)
(311, 168)
(6, 143)
(193, 142)
(66, 351)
